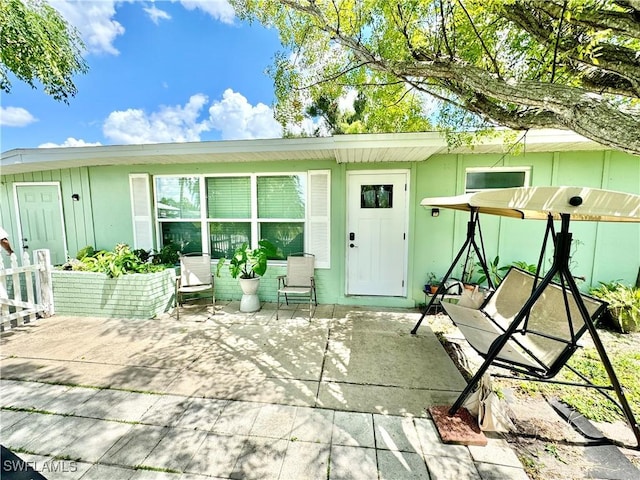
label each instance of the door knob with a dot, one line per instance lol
(351, 245)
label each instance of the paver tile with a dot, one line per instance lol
(353, 429)
(8, 418)
(91, 445)
(305, 461)
(166, 411)
(313, 425)
(451, 468)
(201, 413)
(237, 418)
(53, 439)
(16, 393)
(261, 459)
(175, 450)
(134, 446)
(117, 405)
(274, 421)
(396, 433)
(217, 455)
(71, 400)
(352, 463)
(397, 465)
(102, 472)
(496, 452)
(491, 471)
(27, 429)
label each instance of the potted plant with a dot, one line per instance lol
(624, 304)
(496, 272)
(432, 284)
(249, 264)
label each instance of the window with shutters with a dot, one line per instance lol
(290, 210)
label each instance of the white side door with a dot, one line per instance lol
(39, 207)
(376, 233)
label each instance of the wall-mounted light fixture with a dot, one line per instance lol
(75, 197)
(435, 212)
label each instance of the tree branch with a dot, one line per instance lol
(496, 68)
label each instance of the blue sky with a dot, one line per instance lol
(163, 71)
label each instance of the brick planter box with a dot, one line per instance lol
(90, 294)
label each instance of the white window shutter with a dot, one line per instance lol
(319, 217)
(141, 211)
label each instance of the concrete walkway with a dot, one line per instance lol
(235, 395)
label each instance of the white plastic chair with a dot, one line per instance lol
(299, 283)
(195, 277)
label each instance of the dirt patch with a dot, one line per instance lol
(547, 445)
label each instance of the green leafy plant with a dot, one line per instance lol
(87, 251)
(120, 261)
(527, 267)
(167, 255)
(624, 304)
(495, 272)
(249, 263)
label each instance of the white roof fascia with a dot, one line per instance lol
(357, 148)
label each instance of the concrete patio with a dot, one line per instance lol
(236, 395)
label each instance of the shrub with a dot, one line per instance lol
(624, 304)
(120, 261)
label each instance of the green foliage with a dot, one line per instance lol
(87, 251)
(624, 304)
(464, 66)
(587, 401)
(590, 403)
(167, 255)
(249, 263)
(38, 45)
(495, 272)
(527, 267)
(120, 261)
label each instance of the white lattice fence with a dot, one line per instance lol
(25, 290)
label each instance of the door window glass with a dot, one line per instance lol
(376, 196)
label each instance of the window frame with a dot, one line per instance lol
(254, 220)
(524, 169)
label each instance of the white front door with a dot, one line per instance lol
(376, 233)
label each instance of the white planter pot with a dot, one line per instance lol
(250, 301)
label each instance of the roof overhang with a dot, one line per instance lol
(360, 148)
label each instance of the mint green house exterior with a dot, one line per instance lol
(351, 200)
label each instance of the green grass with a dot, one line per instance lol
(588, 401)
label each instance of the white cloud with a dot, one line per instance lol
(218, 9)
(233, 116)
(168, 124)
(155, 14)
(236, 118)
(94, 20)
(15, 117)
(69, 142)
